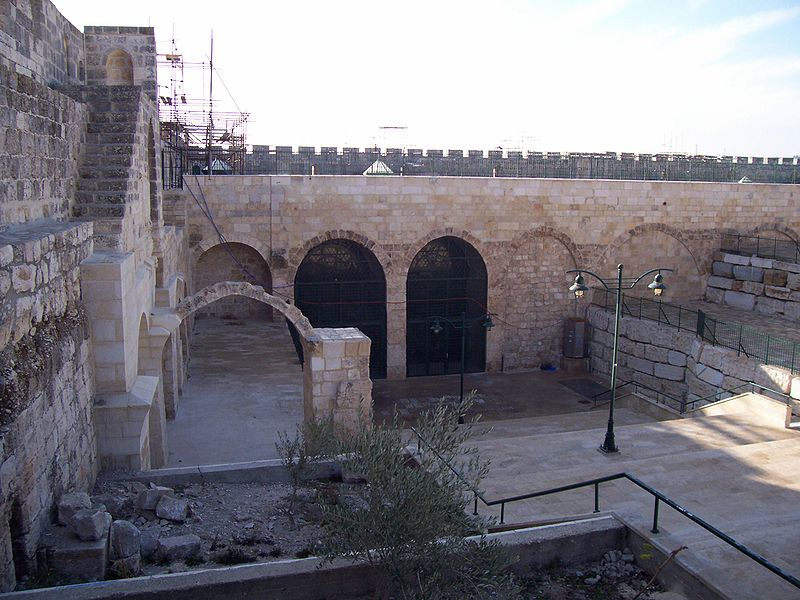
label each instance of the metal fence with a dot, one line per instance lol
(766, 348)
(781, 249)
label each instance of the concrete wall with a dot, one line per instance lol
(41, 137)
(528, 232)
(47, 441)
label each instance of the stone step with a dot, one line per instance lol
(110, 138)
(111, 127)
(86, 197)
(99, 210)
(109, 149)
(104, 171)
(103, 185)
(104, 159)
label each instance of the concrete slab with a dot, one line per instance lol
(245, 385)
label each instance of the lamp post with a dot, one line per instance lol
(461, 326)
(579, 288)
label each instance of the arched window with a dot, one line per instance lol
(340, 283)
(446, 278)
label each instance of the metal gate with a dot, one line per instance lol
(446, 278)
(341, 284)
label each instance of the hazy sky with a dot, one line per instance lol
(706, 76)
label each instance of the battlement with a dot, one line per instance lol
(307, 160)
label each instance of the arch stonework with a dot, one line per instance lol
(669, 230)
(215, 292)
(238, 238)
(415, 247)
(297, 255)
(119, 68)
(778, 227)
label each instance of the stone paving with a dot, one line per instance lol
(741, 477)
(245, 385)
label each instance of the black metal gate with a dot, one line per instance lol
(446, 278)
(341, 284)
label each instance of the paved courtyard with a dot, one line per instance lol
(245, 385)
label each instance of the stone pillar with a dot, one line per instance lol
(337, 377)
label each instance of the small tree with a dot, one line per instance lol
(411, 521)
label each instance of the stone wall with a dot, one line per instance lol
(672, 361)
(526, 230)
(41, 137)
(47, 441)
(36, 40)
(762, 285)
(283, 160)
(139, 43)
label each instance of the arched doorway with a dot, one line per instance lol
(340, 283)
(233, 261)
(446, 278)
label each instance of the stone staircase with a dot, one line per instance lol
(742, 477)
(105, 170)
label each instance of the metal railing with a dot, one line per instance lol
(636, 386)
(767, 348)
(723, 394)
(595, 483)
(781, 249)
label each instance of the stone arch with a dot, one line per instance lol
(144, 344)
(535, 297)
(234, 261)
(776, 227)
(462, 234)
(349, 272)
(687, 279)
(297, 255)
(233, 237)
(119, 68)
(215, 292)
(447, 278)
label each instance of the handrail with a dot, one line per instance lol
(779, 249)
(641, 385)
(659, 497)
(787, 397)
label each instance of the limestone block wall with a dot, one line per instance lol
(36, 40)
(336, 379)
(762, 285)
(41, 137)
(526, 231)
(138, 42)
(672, 361)
(47, 443)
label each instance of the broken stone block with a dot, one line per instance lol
(178, 547)
(130, 566)
(172, 509)
(148, 499)
(90, 524)
(148, 544)
(73, 559)
(124, 539)
(119, 506)
(71, 503)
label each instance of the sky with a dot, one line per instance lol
(719, 77)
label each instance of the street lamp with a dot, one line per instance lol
(579, 288)
(462, 326)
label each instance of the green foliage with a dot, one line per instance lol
(411, 521)
(312, 442)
